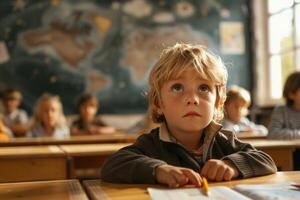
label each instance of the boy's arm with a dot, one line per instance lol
(248, 161)
(133, 164)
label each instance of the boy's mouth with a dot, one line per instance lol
(192, 114)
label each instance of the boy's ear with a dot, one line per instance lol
(158, 110)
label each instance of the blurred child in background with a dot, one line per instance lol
(5, 133)
(87, 122)
(236, 108)
(49, 119)
(14, 117)
(285, 120)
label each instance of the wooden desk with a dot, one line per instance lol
(280, 151)
(85, 160)
(86, 139)
(100, 190)
(250, 135)
(32, 163)
(46, 190)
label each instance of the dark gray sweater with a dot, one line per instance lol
(136, 163)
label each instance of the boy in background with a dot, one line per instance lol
(186, 96)
(88, 123)
(14, 118)
(236, 108)
(49, 119)
(285, 120)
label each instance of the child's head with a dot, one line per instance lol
(188, 75)
(88, 107)
(11, 99)
(237, 102)
(291, 91)
(49, 111)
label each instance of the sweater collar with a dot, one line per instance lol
(209, 133)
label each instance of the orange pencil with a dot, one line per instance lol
(205, 186)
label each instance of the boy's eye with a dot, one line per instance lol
(177, 87)
(204, 88)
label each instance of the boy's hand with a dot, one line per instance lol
(219, 170)
(176, 176)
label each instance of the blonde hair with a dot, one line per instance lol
(37, 119)
(238, 93)
(12, 94)
(177, 59)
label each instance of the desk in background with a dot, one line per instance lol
(280, 151)
(85, 160)
(52, 190)
(250, 135)
(32, 163)
(100, 190)
(118, 137)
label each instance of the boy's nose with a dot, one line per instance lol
(192, 100)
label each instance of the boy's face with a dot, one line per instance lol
(235, 110)
(88, 111)
(50, 112)
(188, 102)
(11, 105)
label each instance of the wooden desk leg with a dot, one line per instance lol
(71, 167)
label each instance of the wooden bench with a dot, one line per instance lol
(32, 163)
(46, 190)
(118, 137)
(85, 160)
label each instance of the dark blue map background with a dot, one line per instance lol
(31, 73)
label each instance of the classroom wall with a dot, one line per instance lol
(108, 47)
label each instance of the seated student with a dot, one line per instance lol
(14, 118)
(285, 120)
(236, 108)
(5, 133)
(49, 120)
(186, 95)
(88, 123)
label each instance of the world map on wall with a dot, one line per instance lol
(106, 48)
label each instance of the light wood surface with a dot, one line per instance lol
(251, 135)
(32, 163)
(92, 149)
(85, 160)
(86, 139)
(100, 190)
(46, 190)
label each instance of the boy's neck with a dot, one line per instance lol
(190, 140)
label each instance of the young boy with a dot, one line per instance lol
(236, 108)
(87, 123)
(186, 95)
(285, 120)
(14, 118)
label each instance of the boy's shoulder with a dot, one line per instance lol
(152, 135)
(224, 134)
(151, 138)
